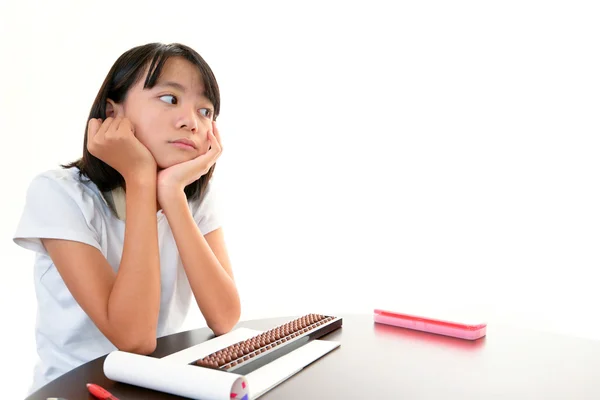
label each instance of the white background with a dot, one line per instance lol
(440, 154)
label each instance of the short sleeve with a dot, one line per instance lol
(206, 213)
(55, 209)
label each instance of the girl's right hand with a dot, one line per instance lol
(113, 141)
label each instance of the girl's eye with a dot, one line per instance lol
(167, 98)
(207, 112)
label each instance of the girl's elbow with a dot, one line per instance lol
(143, 345)
(219, 330)
(146, 348)
(225, 325)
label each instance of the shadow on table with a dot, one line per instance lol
(383, 330)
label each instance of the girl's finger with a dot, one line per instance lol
(217, 134)
(214, 148)
(104, 127)
(93, 125)
(204, 162)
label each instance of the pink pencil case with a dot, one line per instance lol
(431, 325)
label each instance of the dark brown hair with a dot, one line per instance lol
(125, 73)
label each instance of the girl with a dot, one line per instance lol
(127, 235)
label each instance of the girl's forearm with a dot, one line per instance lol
(214, 290)
(134, 301)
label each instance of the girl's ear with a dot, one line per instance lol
(113, 109)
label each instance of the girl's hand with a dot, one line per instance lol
(174, 179)
(113, 141)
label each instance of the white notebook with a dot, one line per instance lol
(173, 374)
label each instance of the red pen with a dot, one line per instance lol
(100, 392)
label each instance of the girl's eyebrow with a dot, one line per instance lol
(178, 86)
(172, 84)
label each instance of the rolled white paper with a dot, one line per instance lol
(179, 379)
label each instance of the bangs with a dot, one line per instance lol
(165, 52)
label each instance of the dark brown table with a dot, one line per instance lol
(383, 362)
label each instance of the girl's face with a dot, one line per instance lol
(173, 118)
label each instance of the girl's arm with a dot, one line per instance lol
(123, 305)
(206, 264)
(204, 258)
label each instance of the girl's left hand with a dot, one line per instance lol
(177, 177)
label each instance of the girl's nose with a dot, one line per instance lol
(188, 121)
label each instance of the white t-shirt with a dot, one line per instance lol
(60, 205)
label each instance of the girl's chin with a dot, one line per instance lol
(171, 161)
